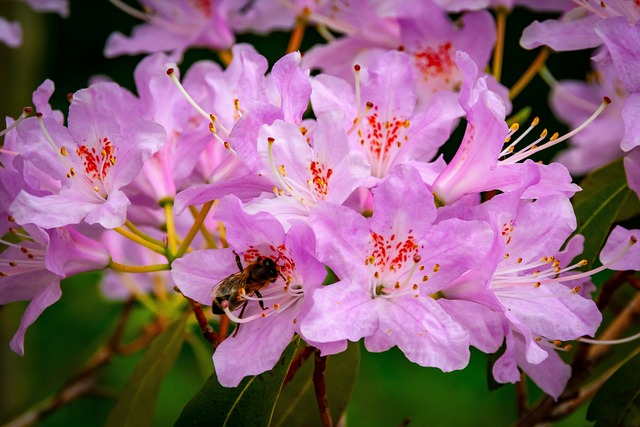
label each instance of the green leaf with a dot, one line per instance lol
(297, 405)
(617, 403)
(135, 404)
(251, 403)
(605, 198)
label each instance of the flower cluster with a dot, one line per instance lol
(291, 174)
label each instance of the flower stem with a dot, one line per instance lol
(194, 229)
(528, 75)
(302, 356)
(206, 329)
(134, 237)
(138, 268)
(135, 230)
(498, 53)
(320, 387)
(208, 237)
(171, 226)
(297, 35)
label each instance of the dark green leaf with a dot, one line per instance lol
(617, 403)
(251, 403)
(297, 405)
(599, 205)
(134, 406)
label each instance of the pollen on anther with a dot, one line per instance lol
(376, 275)
(24, 250)
(63, 151)
(506, 256)
(264, 314)
(537, 285)
(276, 306)
(425, 278)
(12, 263)
(282, 171)
(72, 171)
(227, 145)
(576, 289)
(436, 268)
(415, 286)
(519, 260)
(11, 218)
(557, 343)
(397, 285)
(538, 339)
(96, 189)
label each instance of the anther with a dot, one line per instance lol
(24, 250)
(12, 263)
(11, 218)
(576, 289)
(537, 285)
(63, 151)
(436, 268)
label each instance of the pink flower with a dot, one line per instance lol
(35, 260)
(273, 314)
(173, 27)
(391, 268)
(101, 151)
(384, 122)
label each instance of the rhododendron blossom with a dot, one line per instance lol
(268, 215)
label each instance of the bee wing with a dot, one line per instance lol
(227, 285)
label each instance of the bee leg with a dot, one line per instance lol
(238, 261)
(240, 317)
(260, 300)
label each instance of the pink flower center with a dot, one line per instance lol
(382, 140)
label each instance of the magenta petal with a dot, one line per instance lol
(632, 169)
(620, 252)
(51, 211)
(259, 342)
(198, 272)
(344, 310)
(293, 85)
(245, 188)
(41, 300)
(623, 42)
(10, 33)
(481, 323)
(551, 310)
(551, 375)
(245, 230)
(424, 332)
(70, 252)
(630, 114)
(562, 35)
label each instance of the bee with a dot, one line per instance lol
(229, 292)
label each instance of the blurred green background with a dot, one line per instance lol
(389, 390)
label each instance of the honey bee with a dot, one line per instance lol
(229, 292)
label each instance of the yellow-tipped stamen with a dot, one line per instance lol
(25, 112)
(553, 141)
